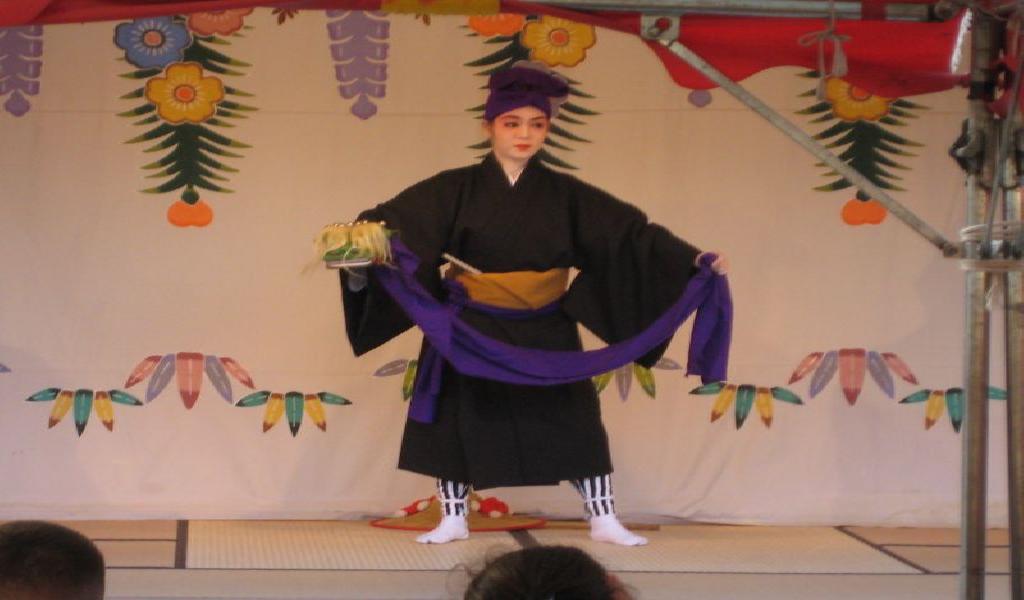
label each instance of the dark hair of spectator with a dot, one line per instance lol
(45, 561)
(544, 573)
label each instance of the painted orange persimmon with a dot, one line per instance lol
(183, 214)
(859, 212)
(500, 24)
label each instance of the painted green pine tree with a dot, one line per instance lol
(193, 151)
(861, 126)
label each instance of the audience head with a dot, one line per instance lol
(46, 561)
(545, 573)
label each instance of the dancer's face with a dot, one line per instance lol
(518, 134)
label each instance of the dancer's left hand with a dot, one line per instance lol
(720, 264)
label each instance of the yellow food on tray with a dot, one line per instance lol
(356, 244)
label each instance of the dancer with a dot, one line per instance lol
(512, 229)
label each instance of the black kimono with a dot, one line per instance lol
(492, 434)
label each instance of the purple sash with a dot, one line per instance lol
(475, 354)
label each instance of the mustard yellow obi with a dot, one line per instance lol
(525, 290)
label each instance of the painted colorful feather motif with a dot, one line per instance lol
(879, 371)
(218, 377)
(81, 403)
(409, 381)
(275, 409)
(851, 373)
(254, 399)
(189, 371)
(824, 373)
(601, 381)
(142, 370)
(784, 395)
(623, 381)
(744, 402)
(722, 403)
(950, 401)
(667, 364)
(708, 388)
(899, 367)
(852, 364)
(82, 409)
(934, 408)
(329, 398)
(765, 408)
(406, 368)
(315, 410)
(746, 397)
(292, 405)
(161, 377)
(61, 407)
(237, 371)
(44, 395)
(645, 378)
(955, 407)
(119, 397)
(806, 366)
(104, 409)
(625, 374)
(394, 367)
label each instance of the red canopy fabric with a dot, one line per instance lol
(888, 58)
(892, 59)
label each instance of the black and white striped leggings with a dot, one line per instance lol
(598, 499)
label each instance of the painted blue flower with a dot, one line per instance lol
(153, 41)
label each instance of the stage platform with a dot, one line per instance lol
(350, 559)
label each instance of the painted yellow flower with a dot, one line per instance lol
(183, 94)
(555, 41)
(852, 103)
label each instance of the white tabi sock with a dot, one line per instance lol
(451, 529)
(607, 528)
(453, 497)
(599, 508)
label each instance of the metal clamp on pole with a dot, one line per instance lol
(656, 27)
(995, 246)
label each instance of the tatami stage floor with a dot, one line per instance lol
(350, 559)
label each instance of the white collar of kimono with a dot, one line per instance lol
(513, 177)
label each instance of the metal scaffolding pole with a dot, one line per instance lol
(790, 9)
(1014, 315)
(985, 42)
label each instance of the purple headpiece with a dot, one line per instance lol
(524, 84)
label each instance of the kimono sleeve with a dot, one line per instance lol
(422, 216)
(631, 270)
